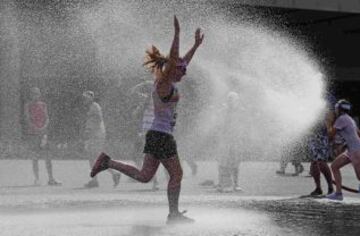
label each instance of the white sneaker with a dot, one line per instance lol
(225, 190)
(237, 189)
(335, 196)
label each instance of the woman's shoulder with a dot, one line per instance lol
(94, 107)
(344, 118)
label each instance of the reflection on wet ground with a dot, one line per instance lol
(314, 217)
(215, 215)
(267, 206)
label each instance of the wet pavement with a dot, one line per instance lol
(269, 204)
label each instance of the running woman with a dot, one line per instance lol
(37, 121)
(346, 127)
(160, 145)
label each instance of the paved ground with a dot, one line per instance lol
(256, 178)
(267, 206)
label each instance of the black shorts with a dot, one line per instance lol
(159, 144)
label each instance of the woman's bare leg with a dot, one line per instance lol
(356, 164)
(35, 167)
(315, 173)
(173, 166)
(337, 164)
(147, 172)
(325, 170)
(357, 171)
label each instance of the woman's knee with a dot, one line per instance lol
(145, 176)
(145, 179)
(176, 177)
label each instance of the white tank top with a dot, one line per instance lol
(160, 115)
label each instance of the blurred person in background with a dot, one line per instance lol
(36, 122)
(230, 160)
(294, 157)
(94, 136)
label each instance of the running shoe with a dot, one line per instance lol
(316, 192)
(335, 196)
(53, 182)
(101, 163)
(179, 218)
(92, 184)
(116, 179)
(225, 189)
(238, 189)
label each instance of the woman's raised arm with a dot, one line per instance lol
(174, 50)
(198, 41)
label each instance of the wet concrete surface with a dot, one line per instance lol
(269, 204)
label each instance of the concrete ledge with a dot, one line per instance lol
(323, 5)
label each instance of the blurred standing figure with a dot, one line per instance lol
(294, 156)
(320, 153)
(94, 136)
(37, 121)
(229, 163)
(322, 147)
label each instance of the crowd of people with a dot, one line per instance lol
(335, 138)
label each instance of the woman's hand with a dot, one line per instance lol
(198, 37)
(198, 41)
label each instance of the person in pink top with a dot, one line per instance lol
(346, 127)
(160, 145)
(37, 121)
